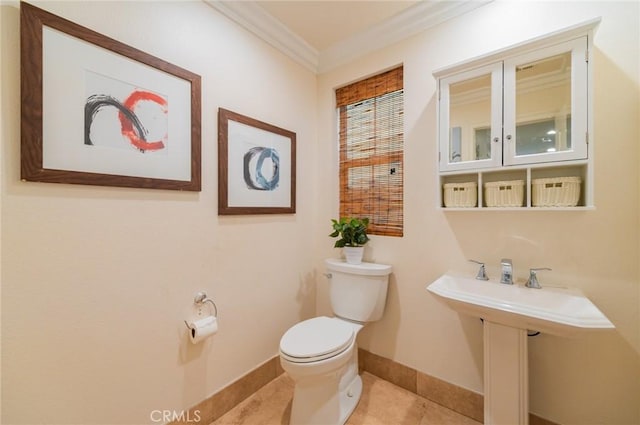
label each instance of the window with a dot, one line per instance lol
(371, 151)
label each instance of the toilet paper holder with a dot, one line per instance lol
(201, 298)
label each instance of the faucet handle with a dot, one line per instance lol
(532, 282)
(482, 274)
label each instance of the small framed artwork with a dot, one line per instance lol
(256, 166)
(98, 112)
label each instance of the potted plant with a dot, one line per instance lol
(353, 236)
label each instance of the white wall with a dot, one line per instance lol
(594, 380)
(96, 281)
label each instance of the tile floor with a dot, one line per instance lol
(382, 403)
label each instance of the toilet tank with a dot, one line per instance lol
(358, 291)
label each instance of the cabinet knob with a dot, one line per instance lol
(496, 139)
(508, 137)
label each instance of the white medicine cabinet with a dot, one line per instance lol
(522, 117)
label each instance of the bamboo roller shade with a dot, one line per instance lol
(371, 151)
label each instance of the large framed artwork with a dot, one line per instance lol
(256, 166)
(98, 112)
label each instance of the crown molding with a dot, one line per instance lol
(255, 19)
(411, 21)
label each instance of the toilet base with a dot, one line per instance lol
(317, 406)
(349, 399)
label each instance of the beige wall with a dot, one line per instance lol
(96, 281)
(591, 380)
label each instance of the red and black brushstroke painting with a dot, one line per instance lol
(131, 127)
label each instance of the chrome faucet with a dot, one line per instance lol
(482, 274)
(507, 271)
(533, 278)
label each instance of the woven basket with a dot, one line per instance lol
(555, 192)
(504, 193)
(460, 195)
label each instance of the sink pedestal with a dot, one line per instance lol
(506, 375)
(508, 311)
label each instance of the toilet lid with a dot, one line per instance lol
(316, 339)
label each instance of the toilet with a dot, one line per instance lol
(321, 354)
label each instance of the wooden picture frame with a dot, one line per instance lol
(256, 166)
(98, 112)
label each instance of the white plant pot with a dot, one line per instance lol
(353, 254)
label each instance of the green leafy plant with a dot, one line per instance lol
(352, 231)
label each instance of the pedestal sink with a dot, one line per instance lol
(508, 312)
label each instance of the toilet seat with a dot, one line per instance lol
(316, 339)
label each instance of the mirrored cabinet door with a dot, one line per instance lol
(470, 122)
(545, 105)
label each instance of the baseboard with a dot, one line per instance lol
(230, 396)
(453, 397)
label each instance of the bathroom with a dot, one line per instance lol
(97, 280)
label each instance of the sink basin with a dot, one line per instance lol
(555, 311)
(508, 312)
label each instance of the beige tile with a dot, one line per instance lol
(278, 366)
(537, 420)
(218, 404)
(271, 405)
(244, 387)
(383, 403)
(435, 414)
(396, 373)
(461, 400)
(204, 411)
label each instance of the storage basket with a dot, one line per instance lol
(555, 192)
(460, 195)
(504, 193)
